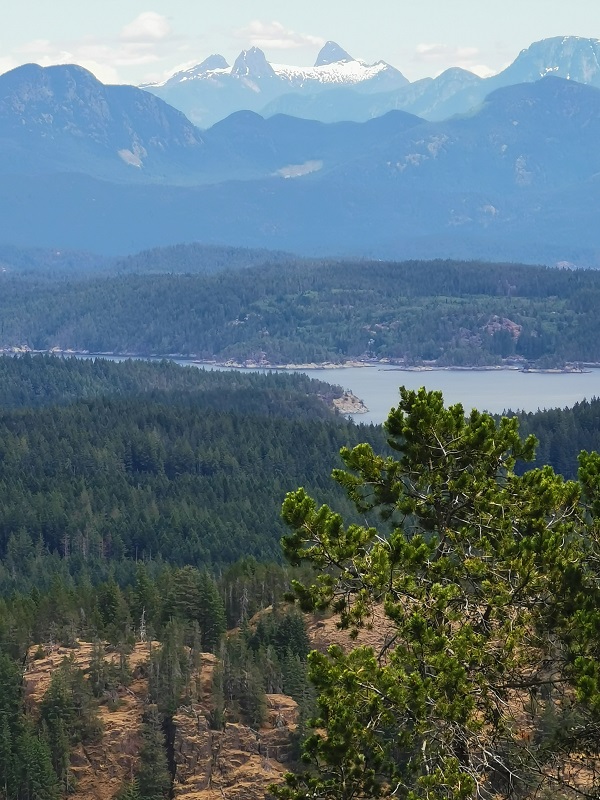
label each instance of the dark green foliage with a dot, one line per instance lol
(485, 584)
(563, 433)
(216, 716)
(42, 380)
(37, 779)
(176, 474)
(153, 778)
(105, 676)
(285, 631)
(269, 658)
(26, 771)
(169, 670)
(68, 716)
(250, 586)
(450, 311)
(243, 683)
(130, 791)
(194, 600)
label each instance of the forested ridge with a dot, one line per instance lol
(134, 512)
(454, 313)
(146, 496)
(158, 461)
(45, 380)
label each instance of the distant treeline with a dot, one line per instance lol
(45, 380)
(145, 494)
(562, 434)
(456, 313)
(157, 462)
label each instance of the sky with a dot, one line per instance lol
(139, 41)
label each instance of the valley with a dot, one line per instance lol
(299, 416)
(506, 179)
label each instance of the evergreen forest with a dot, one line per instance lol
(142, 495)
(447, 312)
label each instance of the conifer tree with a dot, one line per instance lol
(169, 670)
(153, 776)
(37, 779)
(484, 586)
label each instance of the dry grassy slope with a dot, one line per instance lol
(235, 763)
(100, 769)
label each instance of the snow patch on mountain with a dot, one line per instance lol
(344, 72)
(298, 170)
(252, 64)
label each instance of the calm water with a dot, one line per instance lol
(493, 390)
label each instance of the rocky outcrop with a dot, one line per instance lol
(349, 403)
(497, 324)
(237, 763)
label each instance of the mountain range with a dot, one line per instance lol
(341, 88)
(114, 169)
(213, 89)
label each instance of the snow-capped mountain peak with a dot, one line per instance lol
(212, 63)
(331, 53)
(341, 72)
(252, 64)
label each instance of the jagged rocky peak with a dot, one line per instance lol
(572, 57)
(252, 64)
(215, 61)
(332, 53)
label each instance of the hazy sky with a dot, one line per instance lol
(132, 41)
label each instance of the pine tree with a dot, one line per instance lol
(488, 583)
(130, 791)
(98, 670)
(216, 716)
(153, 776)
(37, 779)
(169, 670)
(210, 613)
(8, 767)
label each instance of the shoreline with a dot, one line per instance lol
(383, 365)
(349, 403)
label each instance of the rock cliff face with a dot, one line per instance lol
(237, 763)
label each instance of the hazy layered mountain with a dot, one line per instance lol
(515, 179)
(287, 147)
(456, 90)
(213, 89)
(570, 57)
(430, 98)
(62, 119)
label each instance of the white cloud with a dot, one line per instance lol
(274, 36)
(147, 41)
(147, 27)
(7, 63)
(442, 56)
(100, 57)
